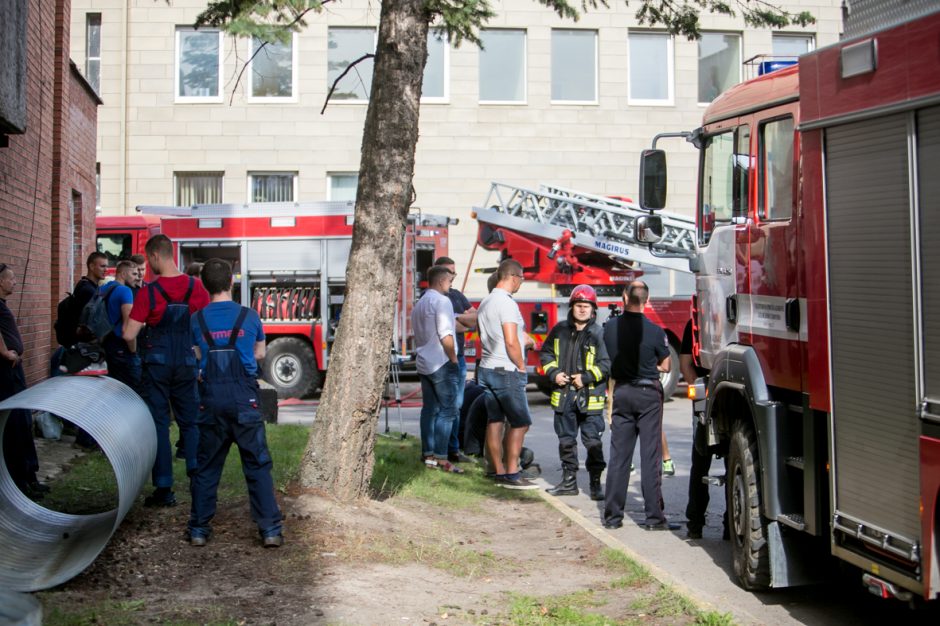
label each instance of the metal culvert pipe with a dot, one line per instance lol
(44, 548)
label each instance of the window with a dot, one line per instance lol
(792, 46)
(434, 86)
(98, 187)
(116, 246)
(650, 69)
(198, 65)
(502, 66)
(93, 50)
(272, 76)
(345, 46)
(343, 186)
(725, 165)
(719, 64)
(574, 65)
(198, 188)
(272, 186)
(777, 170)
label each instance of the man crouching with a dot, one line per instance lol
(229, 340)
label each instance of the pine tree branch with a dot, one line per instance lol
(341, 76)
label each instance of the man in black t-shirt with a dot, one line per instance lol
(638, 351)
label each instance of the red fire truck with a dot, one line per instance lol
(290, 266)
(818, 306)
(565, 238)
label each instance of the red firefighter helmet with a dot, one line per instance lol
(583, 293)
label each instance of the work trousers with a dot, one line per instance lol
(19, 449)
(123, 365)
(163, 387)
(637, 414)
(698, 491)
(568, 421)
(216, 437)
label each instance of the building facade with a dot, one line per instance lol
(47, 168)
(193, 116)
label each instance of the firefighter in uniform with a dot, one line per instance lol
(638, 350)
(163, 308)
(575, 360)
(229, 343)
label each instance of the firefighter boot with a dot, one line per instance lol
(597, 492)
(568, 485)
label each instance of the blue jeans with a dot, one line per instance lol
(438, 409)
(506, 398)
(454, 444)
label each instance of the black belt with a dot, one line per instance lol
(643, 382)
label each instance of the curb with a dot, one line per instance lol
(657, 572)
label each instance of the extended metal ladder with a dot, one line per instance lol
(597, 222)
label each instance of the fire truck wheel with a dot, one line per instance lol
(290, 367)
(670, 379)
(749, 549)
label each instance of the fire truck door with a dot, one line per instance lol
(722, 202)
(771, 309)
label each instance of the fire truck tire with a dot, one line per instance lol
(670, 379)
(291, 367)
(748, 528)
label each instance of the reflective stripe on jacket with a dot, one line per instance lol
(591, 362)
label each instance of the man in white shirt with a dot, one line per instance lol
(503, 374)
(434, 330)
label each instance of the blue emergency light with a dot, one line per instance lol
(766, 67)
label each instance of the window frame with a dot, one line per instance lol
(295, 66)
(329, 84)
(596, 99)
(329, 182)
(525, 71)
(761, 168)
(740, 65)
(810, 36)
(177, 98)
(251, 179)
(176, 188)
(740, 186)
(670, 70)
(444, 99)
(89, 18)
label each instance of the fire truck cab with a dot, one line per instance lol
(289, 262)
(817, 308)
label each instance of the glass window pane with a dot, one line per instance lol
(272, 187)
(719, 64)
(343, 187)
(93, 34)
(777, 163)
(649, 66)
(717, 201)
(502, 65)
(199, 63)
(345, 45)
(198, 188)
(574, 69)
(434, 70)
(272, 69)
(791, 45)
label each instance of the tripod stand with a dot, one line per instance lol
(392, 382)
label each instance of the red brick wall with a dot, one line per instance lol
(39, 171)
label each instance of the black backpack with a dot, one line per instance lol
(68, 315)
(94, 315)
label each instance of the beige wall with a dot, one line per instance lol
(144, 136)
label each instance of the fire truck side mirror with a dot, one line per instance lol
(653, 180)
(648, 228)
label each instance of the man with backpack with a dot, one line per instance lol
(123, 361)
(162, 311)
(229, 342)
(68, 328)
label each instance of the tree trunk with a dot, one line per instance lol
(339, 455)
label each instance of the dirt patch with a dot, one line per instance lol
(400, 561)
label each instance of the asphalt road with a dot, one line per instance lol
(700, 567)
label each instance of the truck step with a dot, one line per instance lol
(717, 481)
(793, 520)
(795, 461)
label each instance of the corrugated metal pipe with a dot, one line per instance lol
(43, 548)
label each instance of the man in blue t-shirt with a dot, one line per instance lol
(229, 341)
(123, 361)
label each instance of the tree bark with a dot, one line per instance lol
(339, 456)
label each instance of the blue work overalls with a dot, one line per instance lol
(169, 379)
(229, 414)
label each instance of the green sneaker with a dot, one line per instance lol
(669, 468)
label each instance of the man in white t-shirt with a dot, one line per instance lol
(434, 330)
(502, 374)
